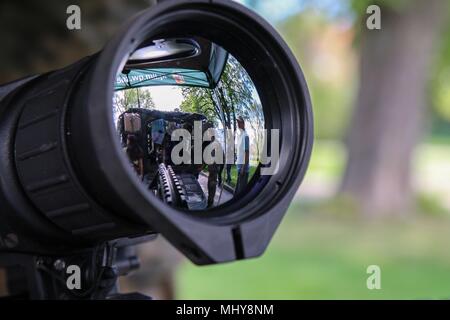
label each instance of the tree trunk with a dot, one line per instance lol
(391, 106)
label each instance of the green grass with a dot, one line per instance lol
(322, 250)
(317, 256)
(234, 174)
(438, 139)
(327, 159)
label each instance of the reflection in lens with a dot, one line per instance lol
(191, 125)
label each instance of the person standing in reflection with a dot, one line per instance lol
(135, 155)
(158, 133)
(214, 169)
(230, 159)
(242, 155)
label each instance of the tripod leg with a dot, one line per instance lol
(23, 279)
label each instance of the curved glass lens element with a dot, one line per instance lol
(192, 126)
(163, 50)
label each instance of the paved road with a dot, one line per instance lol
(226, 196)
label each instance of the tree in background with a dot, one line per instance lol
(440, 91)
(235, 92)
(35, 38)
(200, 100)
(391, 103)
(255, 116)
(395, 89)
(323, 47)
(234, 95)
(132, 98)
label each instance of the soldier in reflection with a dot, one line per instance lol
(135, 155)
(242, 155)
(168, 143)
(230, 154)
(158, 133)
(215, 169)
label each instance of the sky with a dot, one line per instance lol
(277, 10)
(166, 98)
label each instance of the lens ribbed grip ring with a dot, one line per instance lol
(44, 168)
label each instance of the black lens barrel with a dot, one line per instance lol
(45, 166)
(65, 181)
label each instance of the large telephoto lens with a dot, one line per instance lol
(193, 122)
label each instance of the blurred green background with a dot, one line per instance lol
(323, 246)
(377, 188)
(326, 242)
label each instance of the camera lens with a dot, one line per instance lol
(194, 122)
(190, 121)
